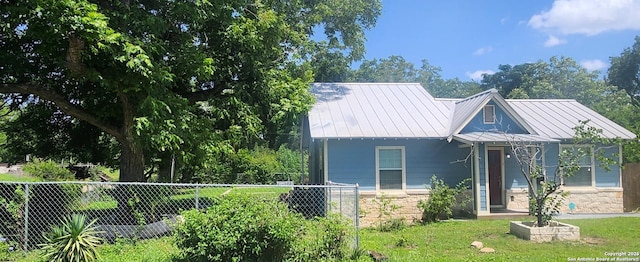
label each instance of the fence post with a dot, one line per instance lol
(357, 218)
(197, 197)
(340, 201)
(26, 218)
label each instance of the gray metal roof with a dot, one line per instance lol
(407, 110)
(376, 110)
(467, 108)
(488, 137)
(556, 118)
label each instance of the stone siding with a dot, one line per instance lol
(407, 206)
(593, 200)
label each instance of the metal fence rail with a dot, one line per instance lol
(144, 210)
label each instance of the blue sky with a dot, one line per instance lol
(468, 38)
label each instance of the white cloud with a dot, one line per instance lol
(592, 65)
(483, 50)
(477, 75)
(588, 17)
(554, 41)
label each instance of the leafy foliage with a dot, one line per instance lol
(74, 240)
(238, 228)
(386, 209)
(48, 170)
(397, 69)
(442, 198)
(546, 193)
(168, 78)
(324, 239)
(624, 72)
(242, 227)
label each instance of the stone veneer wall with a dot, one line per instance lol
(408, 207)
(407, 203)
(592, 200)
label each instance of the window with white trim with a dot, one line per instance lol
(390, 163)
(584, 176)
(489, 114)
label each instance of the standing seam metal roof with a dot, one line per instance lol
(407, 110)
(370, 110)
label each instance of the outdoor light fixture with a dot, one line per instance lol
(507, 155)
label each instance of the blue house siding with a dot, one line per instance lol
(502, 123)
(513, 177)
(353, 161)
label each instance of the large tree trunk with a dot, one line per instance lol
(131, 170)
(131, 162)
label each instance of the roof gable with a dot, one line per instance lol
(468, 108)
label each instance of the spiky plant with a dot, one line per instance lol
(73, 241)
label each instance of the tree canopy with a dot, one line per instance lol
(625, 71)
(162, 77)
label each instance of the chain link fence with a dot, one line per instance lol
(145, 210)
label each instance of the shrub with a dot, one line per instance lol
(47, 170)
(74, 240)
(239, 227)
(325, 239)
(386, 221)
(442, 199)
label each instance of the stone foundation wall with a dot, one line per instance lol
(593, 200)
(517, 199)
(407, 206)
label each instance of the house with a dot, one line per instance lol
(393, 137)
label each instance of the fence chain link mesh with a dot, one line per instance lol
(144, 210)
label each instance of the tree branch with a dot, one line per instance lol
(60, 102)
(203, 95)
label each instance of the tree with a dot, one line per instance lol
(156, 76)
(625, 71)
(545, 192)
(397, 69)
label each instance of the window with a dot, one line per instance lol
(390, 163)
(489, 114)
(583, 177)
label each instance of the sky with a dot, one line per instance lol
(468, 38)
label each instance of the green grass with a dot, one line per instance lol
(450, 240)
(152, 250)
(444, 241)
(18, 178)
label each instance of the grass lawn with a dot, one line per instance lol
(18, 178)
(444, 241)
(450, 240)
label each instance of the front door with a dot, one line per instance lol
(495, 177)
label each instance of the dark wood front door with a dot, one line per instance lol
(495, 176)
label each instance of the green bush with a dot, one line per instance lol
(442, 199)
(74, 240)
(386, 209)
(324, 239)
(239, 227)
(48, 170)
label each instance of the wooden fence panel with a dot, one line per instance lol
(631, 186)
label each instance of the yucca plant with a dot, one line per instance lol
(73, 241)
